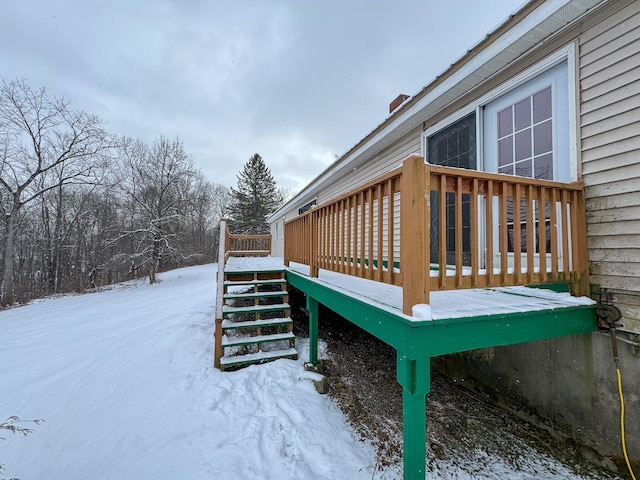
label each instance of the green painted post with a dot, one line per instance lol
(312, 307)
(414, 376)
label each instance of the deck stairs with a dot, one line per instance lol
(257, 325)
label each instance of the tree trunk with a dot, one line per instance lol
(6, 289)
(155, 260)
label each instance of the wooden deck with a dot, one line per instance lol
(454, 321)
(437, 260)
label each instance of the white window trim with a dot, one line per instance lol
(568, 54)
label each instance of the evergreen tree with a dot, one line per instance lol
(255, 197)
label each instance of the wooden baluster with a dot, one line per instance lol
(503, 233)
(370, 235)
(517, 246)
(390, 227)
(553, 233)
(474, 233)
(379, 275)
(488, 261)
(442, 231)
(542, 234)
(530, 233)
(565, 236)
(458, 232)
(361, 235)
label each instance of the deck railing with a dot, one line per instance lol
(252, 245)
(489, 230)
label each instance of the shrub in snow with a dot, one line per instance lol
(12, 424)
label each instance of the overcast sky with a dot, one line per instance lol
(299, 81)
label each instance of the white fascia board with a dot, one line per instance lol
(509, 38)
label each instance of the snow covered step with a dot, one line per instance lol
(259, 357)
(248, 270)
(230, 296)
(226, 309)
(238, 341)
(271, 281)
(271, 322)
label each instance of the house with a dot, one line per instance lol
(553, 94)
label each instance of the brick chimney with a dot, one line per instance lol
(397, 102)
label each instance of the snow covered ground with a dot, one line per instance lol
(124, 382)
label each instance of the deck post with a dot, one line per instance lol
(415, 378)
(219, 315)
(414, 233)
(312, 307)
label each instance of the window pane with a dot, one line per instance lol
(505, 151)
(523, 169)
(542, 138)
(507, 169)
(544, 167)
(523, 145)
(455, 145)
(542, 105)
(523, 114)
(505, 122)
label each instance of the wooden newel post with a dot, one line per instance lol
(581, 255)
(414, 232)
(287, 254)
(219, 316)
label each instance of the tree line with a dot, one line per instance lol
(82, 208)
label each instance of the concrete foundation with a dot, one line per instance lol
(567, 385)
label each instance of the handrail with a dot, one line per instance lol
(490, 230)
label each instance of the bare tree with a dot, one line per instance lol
(158, 183)
(222, 200)
(43, 145)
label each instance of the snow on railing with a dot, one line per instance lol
(490, 230)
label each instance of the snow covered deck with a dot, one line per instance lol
(444, 305)
(448, 304)
(254, 264)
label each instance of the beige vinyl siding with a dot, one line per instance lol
(381, 163)
(386, 160)
(277, 238)
(609, 72)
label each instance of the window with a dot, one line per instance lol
(453, 146)
(526, 131)
(307, 206)
(525, 137)
(525, 148)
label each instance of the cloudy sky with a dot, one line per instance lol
(298, 81)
